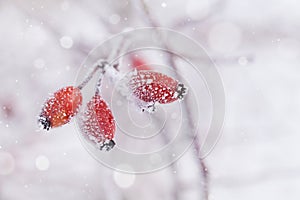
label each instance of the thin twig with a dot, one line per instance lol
(88, 77)
(201, 164)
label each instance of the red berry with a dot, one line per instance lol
(98, 123)
(61, 107)
(139, 63)
(150, 86)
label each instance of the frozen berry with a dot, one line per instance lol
(150, 86)
(98, 123)
(61, 107)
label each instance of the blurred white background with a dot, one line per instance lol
(255, 45)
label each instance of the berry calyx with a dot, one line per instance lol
(61, 107)
(98, 123)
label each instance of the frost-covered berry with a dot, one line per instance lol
(98, 124)
(152, 87)
(60, 107)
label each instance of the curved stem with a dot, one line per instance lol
(88, 78)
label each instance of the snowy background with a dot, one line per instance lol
(256, 47)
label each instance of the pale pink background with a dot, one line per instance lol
(255, 45)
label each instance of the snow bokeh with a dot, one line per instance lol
(42, 163)
(255, 45)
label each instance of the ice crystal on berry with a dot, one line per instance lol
(149, 87)
(98, 124)
(60, 108)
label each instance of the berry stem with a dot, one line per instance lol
(102, 64)
(99, 65)
(98, 85)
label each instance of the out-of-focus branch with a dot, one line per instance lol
(201, 164)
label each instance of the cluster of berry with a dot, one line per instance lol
(98, 123)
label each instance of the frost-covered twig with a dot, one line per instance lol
(97, 66)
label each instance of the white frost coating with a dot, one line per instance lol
(87, 125)
(112, 73)
(148, 81)
(128, 84)
(123, 87)
(122, 83)
(144, 106)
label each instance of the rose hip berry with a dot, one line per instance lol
(60, 107)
